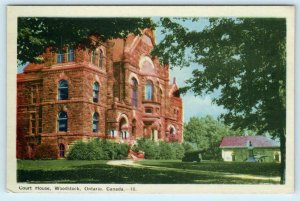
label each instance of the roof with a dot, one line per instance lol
(243, 141)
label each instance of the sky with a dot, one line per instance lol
(194, 106)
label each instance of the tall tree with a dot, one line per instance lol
(245, 60)
(35, 34)
(207, 134)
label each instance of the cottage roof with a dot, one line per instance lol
(243, 142)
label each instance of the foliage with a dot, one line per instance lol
(192, 156)
(244, 59)
(207, 134)
(149, 147)
(37, 33)
(160, 150)
(45, 151)
(97, 149)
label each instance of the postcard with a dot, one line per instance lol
(150, 99)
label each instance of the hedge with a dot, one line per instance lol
(161, 150)
(97, 149)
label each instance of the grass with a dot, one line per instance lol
(146, 172)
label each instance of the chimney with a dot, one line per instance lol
(174, 80)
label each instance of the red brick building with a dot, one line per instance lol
(115, 91)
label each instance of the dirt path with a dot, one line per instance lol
(123, 163)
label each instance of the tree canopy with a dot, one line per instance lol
(242, 58)
(35, 34)
(207, 134)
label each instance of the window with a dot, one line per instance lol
(62, 121)
(34, 94)
(63, 89)
(95, 92)
(40, 121)
(93, 57)
(71, 55)
(95, 122)
(33, 123)
(134, 95)
(60, 57)
(100, 59)
(148, 90)
(148, 110)
(172, 131)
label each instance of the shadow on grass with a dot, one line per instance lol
(105, 174)
(257, 169)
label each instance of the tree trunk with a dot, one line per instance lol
(283, 154)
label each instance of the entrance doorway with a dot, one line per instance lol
(61, 150)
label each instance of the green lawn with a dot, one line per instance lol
(146, 172)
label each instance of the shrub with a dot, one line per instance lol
(178, 150)
(149, 147)
(161, 150)
(45, 151)
(166, 151)
(188, 147)
(97, 149)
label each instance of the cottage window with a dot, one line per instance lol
(100, 59)
(63, 90)
(62, 121)
(95, 122)
(148, 90)
(95, 92)
(134, 95)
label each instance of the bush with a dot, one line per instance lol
(161, 150)
(188, 147)
(178, 149)
(45, 151)
(192, 156)
(165, 151)
(97, 149)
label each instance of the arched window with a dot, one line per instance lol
(63, 90)
(62, 121)
(134, 95)
(95, 92)
(100, 59)
(172, 131)
(95, 122)
(148, 90)
(123, 132)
